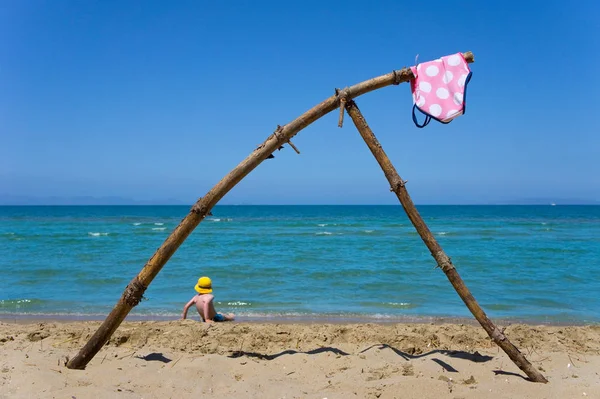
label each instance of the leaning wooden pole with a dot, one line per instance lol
(135, 289)
(398, 186)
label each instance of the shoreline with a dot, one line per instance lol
(25, 318)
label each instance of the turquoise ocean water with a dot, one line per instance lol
(525, 263)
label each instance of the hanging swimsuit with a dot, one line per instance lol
(440, 88)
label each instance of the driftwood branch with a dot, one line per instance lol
(294, 147)
(443, 261)
(200, 210)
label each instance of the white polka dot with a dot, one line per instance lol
(432, 70)
(420, 102)
(419, 67)
(454, 60)
(458, 98)
(425, 86)
(447, 77)
(452, 113)
(435, 110)
(442, 93)
(462, 80)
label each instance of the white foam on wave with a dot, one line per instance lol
(398, 303)
(214, 219)
(442, 233)
(97, 234)
(239, 303)
(324, 233)
(12, 302)
(158, 228)
(136, 224)
(322, 224)
(369, 231)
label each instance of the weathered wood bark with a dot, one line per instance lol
(134, 291)
(443, 261)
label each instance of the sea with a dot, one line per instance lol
(535, 264)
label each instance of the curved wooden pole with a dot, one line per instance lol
(136, 288)
(443, 261)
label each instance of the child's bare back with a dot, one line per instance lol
(204, 302)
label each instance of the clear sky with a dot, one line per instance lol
(161, 99)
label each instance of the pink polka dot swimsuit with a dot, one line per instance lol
(440, 88)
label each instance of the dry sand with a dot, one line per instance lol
(188, 359)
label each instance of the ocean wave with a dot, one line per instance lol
(399, 304)
(16, 301)
(158, 224)
(97, 234)
(12, 304)
(136, 224)
(158, 228)
(322, 224)
(369, 231)
(328, 233)
(11, 236)
(239, 303)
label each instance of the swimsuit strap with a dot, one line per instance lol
(414, 118)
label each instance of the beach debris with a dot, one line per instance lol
(37, 335)
(408, 370)
(470, 380)
(411, 350)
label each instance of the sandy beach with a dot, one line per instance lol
(188, 359)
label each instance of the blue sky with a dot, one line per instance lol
(157, 99)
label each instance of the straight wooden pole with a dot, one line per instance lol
(135, 289)
(443, 261)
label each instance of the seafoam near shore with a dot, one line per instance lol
(188, 359)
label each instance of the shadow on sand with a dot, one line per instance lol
(473, 357)
(154, 357)
(336, 351)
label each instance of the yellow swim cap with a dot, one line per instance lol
(204, 285)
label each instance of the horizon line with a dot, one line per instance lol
(591, 203)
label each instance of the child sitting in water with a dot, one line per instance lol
(204, 303)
